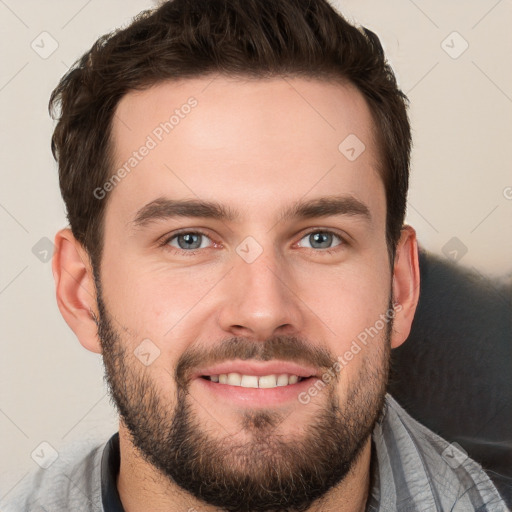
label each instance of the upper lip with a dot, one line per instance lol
(258, 369)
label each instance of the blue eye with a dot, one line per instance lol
(321, 240)
(189, 241)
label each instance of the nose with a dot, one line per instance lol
(259, 301)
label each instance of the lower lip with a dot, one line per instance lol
(256, 397)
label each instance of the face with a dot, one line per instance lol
(244, 263)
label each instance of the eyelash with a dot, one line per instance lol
(174, 250)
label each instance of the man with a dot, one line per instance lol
(235, 175)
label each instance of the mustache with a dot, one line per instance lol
(285, 348)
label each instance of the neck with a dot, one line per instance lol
(142, 487)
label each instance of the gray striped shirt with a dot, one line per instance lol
(415, 470)
(412, 470)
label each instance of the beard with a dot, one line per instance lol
(269, 471)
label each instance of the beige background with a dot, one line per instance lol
(461, 186)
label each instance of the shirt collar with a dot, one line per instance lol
(110, 463)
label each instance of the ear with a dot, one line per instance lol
(406, 285)
(76, 293)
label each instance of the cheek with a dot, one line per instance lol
(158, 302)
(350, 304)
(134, 290)
(347, 299)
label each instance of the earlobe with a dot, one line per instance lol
(406, 285)
(75, 290)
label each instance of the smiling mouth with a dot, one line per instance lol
(255, 381)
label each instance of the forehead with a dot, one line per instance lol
(237, 107)
(244, 141)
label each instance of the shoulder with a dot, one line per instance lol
(426, 471)
(72, 482)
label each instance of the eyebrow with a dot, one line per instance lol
(165, 208)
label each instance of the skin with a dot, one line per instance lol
(255, 146)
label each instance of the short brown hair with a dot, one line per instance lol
(192, 38)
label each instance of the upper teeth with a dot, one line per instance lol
(253, 381)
